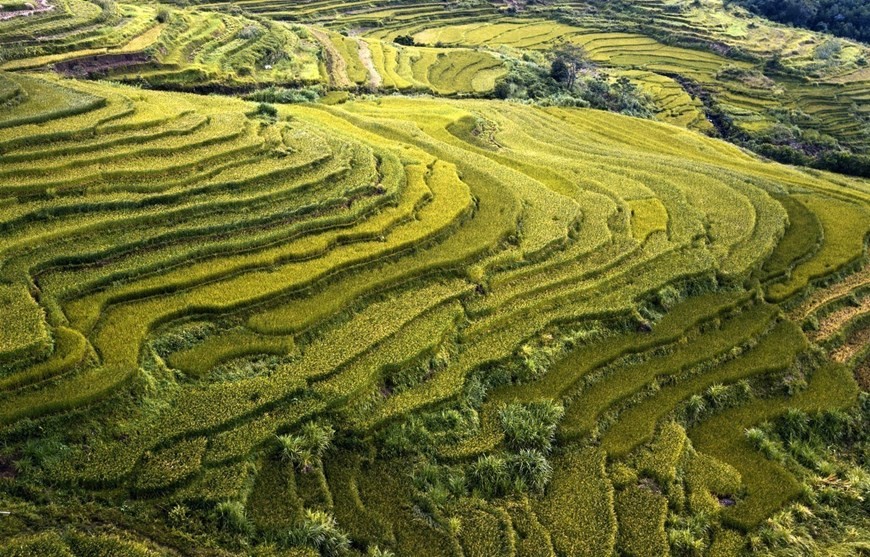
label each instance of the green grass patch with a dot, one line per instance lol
(768, 485)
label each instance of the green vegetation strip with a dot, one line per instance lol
(768, 485)
(774, 352)
(588, 406)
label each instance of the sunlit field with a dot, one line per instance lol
(367, 278)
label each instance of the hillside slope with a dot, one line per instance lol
(235, 326)
(495, 278)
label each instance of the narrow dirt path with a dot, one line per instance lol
(853, 346)
(336, 66)
(835, 321)
(365, 56)
(824, 296)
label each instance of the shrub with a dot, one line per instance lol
(267, 110)
(287, 96)
(794, 424)
(490, 476)
(320, 531)
(532, 467)
(294, 449)
(532, 425)
(686, 543)
(695, 407)
(231, 517)
(250, 32)
(178, 515)
(719, 395)
(307, 448)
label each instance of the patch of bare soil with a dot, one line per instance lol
(855, 343)
(336, 66)
(7, 468)
(365, 56)
(862, 374)
(820, 298)
(101, 64)
(835, 321)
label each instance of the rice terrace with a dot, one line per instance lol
(460, 278)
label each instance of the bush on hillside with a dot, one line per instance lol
(531, 426)
(306, 449)
(571, 81)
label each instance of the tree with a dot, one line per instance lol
(502, 90)
(568, 60)
(846, 18)
(559, 71)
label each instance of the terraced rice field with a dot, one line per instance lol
(413, 318)
(149, 45)
(463, 49)
(189, 49)
(835, 101)
(184, 278)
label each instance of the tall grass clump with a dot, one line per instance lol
(319, 530)
(307, 448)
(532, 425)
